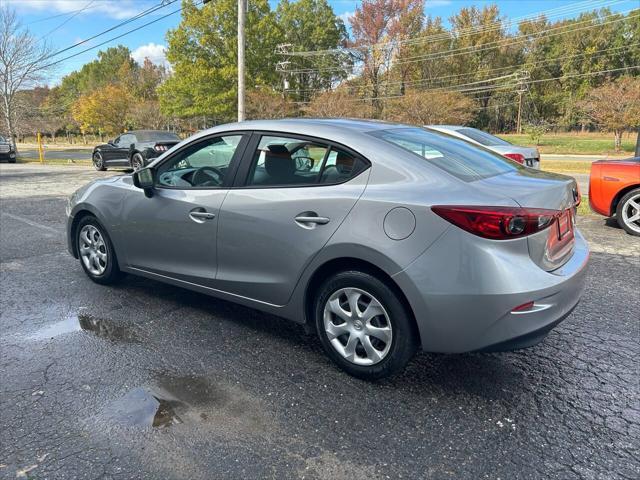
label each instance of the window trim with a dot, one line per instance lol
(234, 165)
(244, 170)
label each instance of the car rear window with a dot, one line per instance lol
(457, 157)
(483, 138)
(157, 137)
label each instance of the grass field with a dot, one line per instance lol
(576, 143)
(560, 166)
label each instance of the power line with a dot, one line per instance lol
(488, 46)
(563, 77)
(74, 14)
(460, 33)
(139, 15)
(119, 36)
(494, 71)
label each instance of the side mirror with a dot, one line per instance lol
(143, 179)
(111, 142)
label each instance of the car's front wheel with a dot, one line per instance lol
(628, 212)
(363, 326)
(98, 162)
(137, 162)
(96, 253)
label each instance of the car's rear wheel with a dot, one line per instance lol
(363, 326)
(98, 162)
(95, 251)
(137, 162)
(628, 212)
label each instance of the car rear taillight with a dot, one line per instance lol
(517, 157)
(498, 223)
(161, 148)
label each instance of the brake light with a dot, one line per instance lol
(517, 157)
(161, 148)
(498, 223)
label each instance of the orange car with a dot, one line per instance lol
(614, 189)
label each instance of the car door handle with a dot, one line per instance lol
(201, 216)
(306, 219)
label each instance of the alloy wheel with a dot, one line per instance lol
(97, 161)
(357, 326)
(631, 213)
(93, 250)
(136, 162)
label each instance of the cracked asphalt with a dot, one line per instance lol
(145, 380)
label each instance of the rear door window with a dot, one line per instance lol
(457, 157)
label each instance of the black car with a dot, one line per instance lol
(133, 149)
(7, 152)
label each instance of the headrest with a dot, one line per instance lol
(278, 162)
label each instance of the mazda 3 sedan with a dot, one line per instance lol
(383, 238)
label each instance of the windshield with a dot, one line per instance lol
(457, 157)
(2, 139)
(157, 137)
(483, 138)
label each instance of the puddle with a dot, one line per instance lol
(85, 322)
(173, 400)
(141, 407)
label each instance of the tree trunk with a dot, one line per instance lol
(618, 139)
(9, 122)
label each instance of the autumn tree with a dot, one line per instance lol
(430, 107)
(23, 63)
(614, 107)
(341, 103)
(264, 103)
(105, 110)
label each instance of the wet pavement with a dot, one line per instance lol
(145, 380)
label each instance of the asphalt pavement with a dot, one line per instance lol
(145, 380)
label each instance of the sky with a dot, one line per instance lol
(63, 23)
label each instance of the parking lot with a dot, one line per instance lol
(145, 380)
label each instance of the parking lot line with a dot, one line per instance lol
(32, 223)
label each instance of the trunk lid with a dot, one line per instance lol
(552, 247)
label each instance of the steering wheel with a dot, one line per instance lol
(204, 176)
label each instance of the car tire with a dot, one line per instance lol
(98, 162)
(628, 212)
(366, 355)
(137, 162)
(99, 262)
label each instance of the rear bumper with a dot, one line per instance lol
(463, 289)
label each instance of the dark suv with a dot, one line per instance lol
(7, 152)
(133, 149)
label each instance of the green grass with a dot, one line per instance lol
(561, 166)
(575, 143)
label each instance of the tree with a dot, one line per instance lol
(341, 103)
(430, 107)
(263, 103)
(23, 63)
(312, 25)
(615, 106)
(202, 51)
(106, 110)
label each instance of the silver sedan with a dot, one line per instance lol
(383, 238)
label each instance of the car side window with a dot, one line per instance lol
(286, 161)
(341, 166)
(200, 165)
(125, 141)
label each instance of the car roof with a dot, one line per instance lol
(302, 125)
(447, 127)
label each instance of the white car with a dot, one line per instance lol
(527, 156)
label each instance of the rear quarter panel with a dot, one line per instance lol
(607, 181)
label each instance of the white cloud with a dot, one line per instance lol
(345, 17)
(118, 9)
(154, 52)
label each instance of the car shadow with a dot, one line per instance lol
(490, 375)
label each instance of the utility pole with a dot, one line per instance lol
(242, 15)
(283, 66)
(522, 89)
